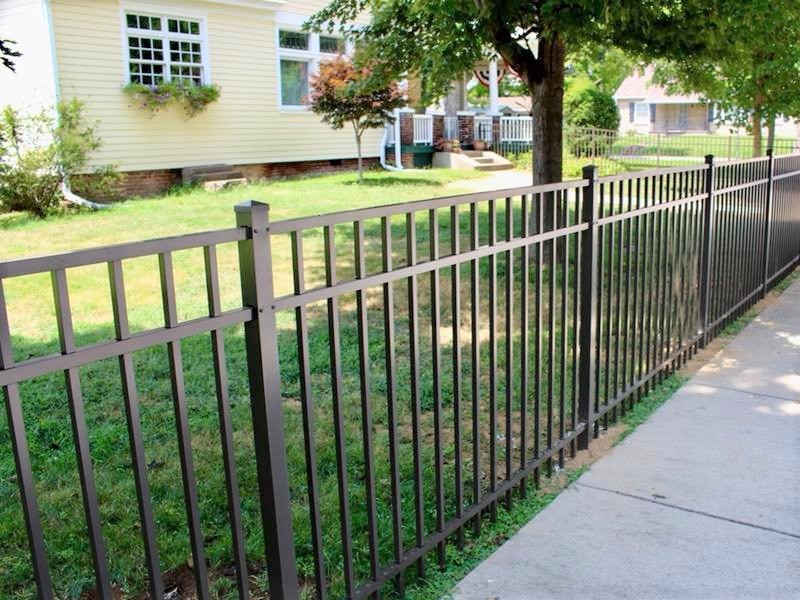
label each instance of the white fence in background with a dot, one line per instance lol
(483, 128)
(423, 129)
(451, 131)
(389, 134)
(516, 129)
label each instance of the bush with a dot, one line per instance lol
(589, 108)
(39, 152)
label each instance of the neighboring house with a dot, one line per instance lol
(514, 106)
(645, 107)
(254, 50)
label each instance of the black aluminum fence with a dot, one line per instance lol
(427, 360)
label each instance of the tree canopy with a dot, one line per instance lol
(751, 69)
(344, 93)
(439, 40)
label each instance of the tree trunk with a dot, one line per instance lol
(771, 132)
(360, 164)
(757, 120)
(547, 98)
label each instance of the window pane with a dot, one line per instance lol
(131, 20)
(293, 40)
(331, 45)
(642, 112)
(294, 82)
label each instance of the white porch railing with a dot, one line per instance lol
(483, 128)
(451, 128)
(516, 129)
(423, 129)
(389, 127)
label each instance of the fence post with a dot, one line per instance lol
(768, 221)
(658, 149)
(705, 267)
(588, 306)
(261, 341)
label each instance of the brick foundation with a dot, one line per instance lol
(148, 183)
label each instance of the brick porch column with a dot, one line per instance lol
(495, 131)
(466, 127)
(438, 127)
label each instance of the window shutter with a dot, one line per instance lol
(631, 113)
(652, 113)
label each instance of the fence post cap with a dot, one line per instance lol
(251, 206)
(770, 151)
(590, 172)
(709, 159)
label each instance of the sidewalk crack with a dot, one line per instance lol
(699, 381)
(689, 510)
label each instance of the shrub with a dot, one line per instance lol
(589, 108)
(39, 152)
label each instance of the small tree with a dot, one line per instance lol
(39, 153)
(343, 93)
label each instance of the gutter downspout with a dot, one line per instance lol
(397, 166)
(69, 195)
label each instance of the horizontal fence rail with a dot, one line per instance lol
(423, 362)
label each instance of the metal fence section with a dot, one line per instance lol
(428, 359)
(483, 129)
(638, 151)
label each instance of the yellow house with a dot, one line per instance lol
(254, 50)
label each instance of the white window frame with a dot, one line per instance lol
(312, 56)
(165, 35)
(641, 113)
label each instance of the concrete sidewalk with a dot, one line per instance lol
(702, 501)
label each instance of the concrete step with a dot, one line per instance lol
(484, 160)
(219, 184)
(219, 170)
(208, 177)
(494, 167)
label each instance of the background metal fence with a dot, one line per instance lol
(637, 151)
(492, 335)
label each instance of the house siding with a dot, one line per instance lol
(245, 126)
(32, 86)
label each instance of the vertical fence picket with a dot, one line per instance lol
(119, 306)
(309, 426)
(80, 435)
(225, 423)
(705, 260)
(455, 299)
(366, 398)
(181, 412)
(22, 462)
(768, 221)
(588, 306)
(391, 403)
(416, 409)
